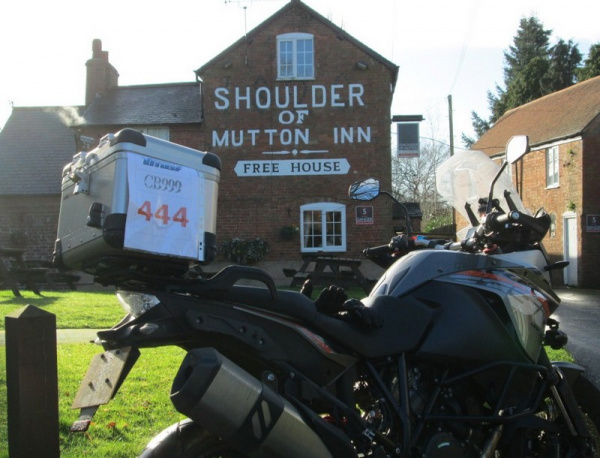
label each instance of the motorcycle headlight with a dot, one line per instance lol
(136, 303)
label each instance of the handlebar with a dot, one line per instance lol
(376, 250)
(499, 221)
(455, 246)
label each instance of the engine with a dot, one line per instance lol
(430, 404)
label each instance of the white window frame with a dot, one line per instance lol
(161, 132)
(291, 42)
(552, 167)
(326, 239)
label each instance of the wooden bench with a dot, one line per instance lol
(30, 276)
(329, 269)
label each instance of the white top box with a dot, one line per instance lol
(134, 198)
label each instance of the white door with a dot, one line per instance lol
(570, 248)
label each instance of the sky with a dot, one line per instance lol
(442, 47)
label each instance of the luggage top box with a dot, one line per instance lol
(139, 203)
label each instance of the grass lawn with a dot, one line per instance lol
(142, 406)
(73, 309)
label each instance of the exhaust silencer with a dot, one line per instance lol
(220, 396)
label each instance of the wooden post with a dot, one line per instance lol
(32, 383)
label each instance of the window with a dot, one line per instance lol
(552, 167)
(295, 56)
(155, 131)
(323, 227)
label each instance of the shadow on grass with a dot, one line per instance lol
(33, 299)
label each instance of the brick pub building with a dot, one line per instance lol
(297, 110)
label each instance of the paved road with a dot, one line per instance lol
(579, 317)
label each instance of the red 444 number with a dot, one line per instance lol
(162, 214)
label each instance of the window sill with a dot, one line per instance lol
(293, 78)
(323, 250)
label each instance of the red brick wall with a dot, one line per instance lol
(260, 206)
(589, 265)
(34, 217)
(184, 134)
(556, 201)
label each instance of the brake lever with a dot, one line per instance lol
(511, 203)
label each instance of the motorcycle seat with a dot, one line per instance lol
(289, 303)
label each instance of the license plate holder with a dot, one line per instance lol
(104, 376)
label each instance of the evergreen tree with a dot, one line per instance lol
(591, 65)
(530, 83)
(532, 69)
(530, 42)
(526, 63)
(564, 61)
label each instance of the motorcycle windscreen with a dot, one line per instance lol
(466, 177)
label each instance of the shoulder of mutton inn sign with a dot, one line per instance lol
(291, 151)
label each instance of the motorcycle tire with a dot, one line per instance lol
(595, 435)
(186, 439)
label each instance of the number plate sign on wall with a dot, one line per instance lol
(364, 215)
(592, 223)
(164, 213)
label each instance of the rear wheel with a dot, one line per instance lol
(188, 440)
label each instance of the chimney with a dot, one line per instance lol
(101, 75)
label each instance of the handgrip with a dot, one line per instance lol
(376, 250)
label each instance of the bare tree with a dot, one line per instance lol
(413, 180)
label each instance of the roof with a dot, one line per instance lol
(341, 33)
(36, 139)
(557, 116)
(174, 103)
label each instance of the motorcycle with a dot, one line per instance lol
(444, 358)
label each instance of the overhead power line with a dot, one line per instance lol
(465, 47)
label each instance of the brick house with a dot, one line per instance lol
(297, 110)
(560, 174)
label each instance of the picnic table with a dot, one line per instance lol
(14, 272)
(326, 270)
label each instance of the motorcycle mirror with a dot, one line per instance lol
(364, 190)
(516, 148)
(369, 189)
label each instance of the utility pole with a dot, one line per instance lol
(451, 125)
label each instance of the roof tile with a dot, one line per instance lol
(176, 103)
(562, 114)
(35, 145)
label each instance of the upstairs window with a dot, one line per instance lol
(161, 132)
(552, 167)
(295, 56)
(323, 227)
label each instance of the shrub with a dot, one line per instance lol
(245, 251)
